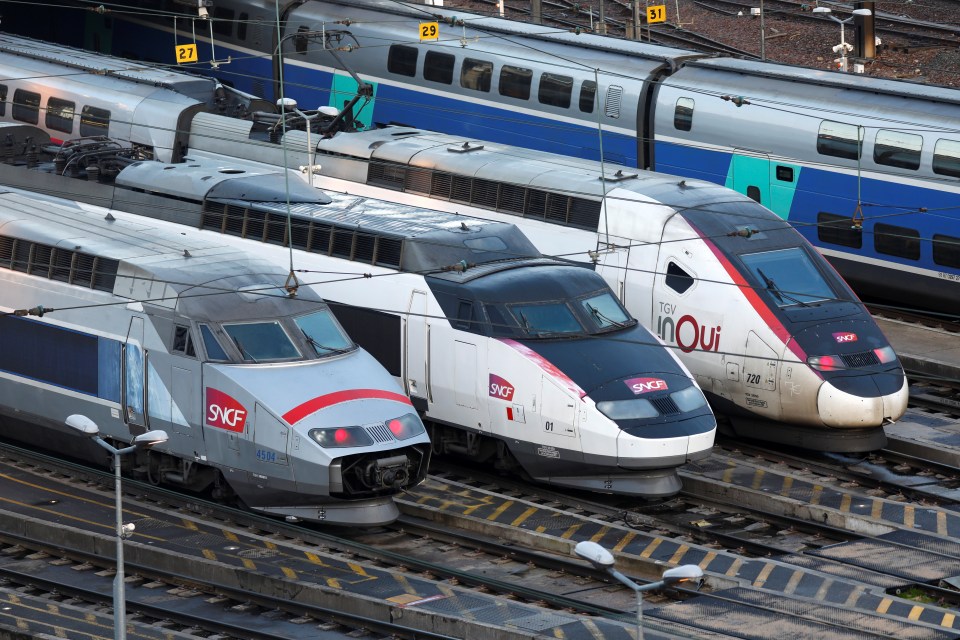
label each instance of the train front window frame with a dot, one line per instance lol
(26, 106)
(323, 333)
(211, 345)
(946, 157)
(262, 341)
(840, 140)
(897, 149)
(538, 319)
(789, 276)
(60, 114)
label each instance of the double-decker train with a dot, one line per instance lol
(868, 170)
(141, 325)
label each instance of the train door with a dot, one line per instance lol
(612, 265)
(750, 175)
(559, 432)
(271, 438)
(133, 378)
(760, 365)
(417, 351)
(170, 401)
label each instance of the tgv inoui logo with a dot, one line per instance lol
(500, 388)
(644, 385)
(224, 412)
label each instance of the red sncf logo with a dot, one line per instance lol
(845, 336)
(500, 388)
(224, 412)
(644, 385)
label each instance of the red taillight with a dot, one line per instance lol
(825, 363)
(396, 428)
(341, 436)
(885, 354)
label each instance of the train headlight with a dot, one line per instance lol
(340, 437)
(406, 426)
(885, 354)
(627, 409)
(825, 363)
(689, 399)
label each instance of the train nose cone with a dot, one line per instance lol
(871, 404)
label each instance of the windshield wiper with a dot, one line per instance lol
(243, 352)
(316, 345)
(601, 316)
(775, 290)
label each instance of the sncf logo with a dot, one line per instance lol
(845, 336)
(500, 388)
(644, 385)
(224, 412)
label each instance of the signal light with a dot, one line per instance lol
(406, 426)
(885, 354)
(825, 363)
(341, 437)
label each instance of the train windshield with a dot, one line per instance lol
(789, 276)
(324, 333)
(262, 341)
(594, 313)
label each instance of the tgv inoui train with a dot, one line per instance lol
(868, 170)
(769, 330)
(142, 325)
(513, 358)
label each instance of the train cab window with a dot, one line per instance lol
(302, 41)
(605, 311)
(60, 115)
(897, 149)
(182, 343)
(26, 106)
(893, 240)
(784, 174)
(465, 319)
(212, 345)
(402, 60)
(588, 96)
(677, 278)
(515, 82)
(438, 67)
(222, 22)
(840, 140)
(261, 341)
(834, 229)
(946, 156)
(683, 114)
(753, 192)
(3, 100)
(242, 26)
(789, 276)
(324, 333)
(555, 90)
(94, 122)
(946, 250)
(611, 107)
(476, 74)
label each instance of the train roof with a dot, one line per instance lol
(135, 258)
(362, 229)
(91, 67)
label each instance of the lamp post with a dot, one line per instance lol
(88, 427)
(843, 47)
(603, 559)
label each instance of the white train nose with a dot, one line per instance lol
(840, 409)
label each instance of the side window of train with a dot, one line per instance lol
(476, 74)
(301, 41)
(212, 345)
(26, 106)
(438, 67)
(222, 21)
(515, 82)
(402, 60)
(242, 26)
(465, 315)
(182, 343)
(840, 140)
(3, 100)
(753, 192)
(588, 96)
(94, 122)
(946, 250)
(784, 174)
(892, 240)
(60, 115)
(897, 149)
(677, 278)
(555, 90)
(683, 114)
(946, 156)
(836, 229)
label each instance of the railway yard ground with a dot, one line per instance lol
(920, 40)
(792, 545)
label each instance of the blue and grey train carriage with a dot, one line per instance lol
(265, 398)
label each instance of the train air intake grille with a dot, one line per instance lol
(857, 360)
(665, 405)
